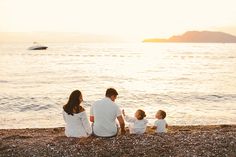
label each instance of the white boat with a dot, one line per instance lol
(37, 47)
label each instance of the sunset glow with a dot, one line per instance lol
(124, 17)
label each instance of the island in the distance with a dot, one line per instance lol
(198, 37)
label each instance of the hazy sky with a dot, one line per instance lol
(146, 18)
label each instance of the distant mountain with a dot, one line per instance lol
(199, 37)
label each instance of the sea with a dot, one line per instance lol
(195, 83)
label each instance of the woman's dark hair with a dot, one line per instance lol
(142, 114)
(110, 92)
(73, 104)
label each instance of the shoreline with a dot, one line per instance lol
(199, 140)
(171, 127)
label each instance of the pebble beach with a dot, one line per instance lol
(209, 140)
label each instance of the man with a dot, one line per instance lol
(104, 113)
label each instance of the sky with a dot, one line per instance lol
(136, 18)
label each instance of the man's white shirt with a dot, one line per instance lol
(105, 112)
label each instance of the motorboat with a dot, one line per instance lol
(37, 46)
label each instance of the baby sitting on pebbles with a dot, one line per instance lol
(160, 124)
(137, 124)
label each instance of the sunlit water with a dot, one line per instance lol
(193, 83)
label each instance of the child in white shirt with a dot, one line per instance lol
(160, 125)
(137, 124)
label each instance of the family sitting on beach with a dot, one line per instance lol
(103, 115)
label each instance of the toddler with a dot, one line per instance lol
(138, 123)
(160, 124)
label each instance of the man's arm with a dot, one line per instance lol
(122, 124)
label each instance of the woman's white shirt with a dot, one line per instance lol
(136, 126)
(77, 125)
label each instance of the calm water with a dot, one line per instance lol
(193, 83)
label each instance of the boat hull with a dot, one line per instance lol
(38, 48)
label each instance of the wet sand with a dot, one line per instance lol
(213, 140)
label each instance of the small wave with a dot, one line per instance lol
(4, 81)
(182, 78)
(35, 107)
(23, 104)
(216, 97)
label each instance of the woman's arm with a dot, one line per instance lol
(64, 116)
(86, 124)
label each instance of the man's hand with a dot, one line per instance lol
(92, 119)
(122, 132)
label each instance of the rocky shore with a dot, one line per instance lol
(214, 140)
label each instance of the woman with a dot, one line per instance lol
(77, 124)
